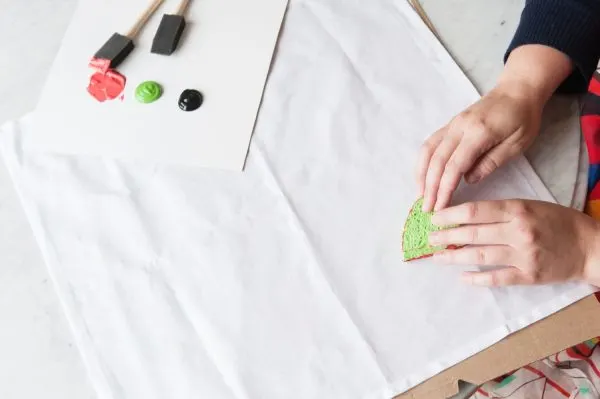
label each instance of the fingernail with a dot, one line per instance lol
(434, 239)
(427, 206)
(481, 280)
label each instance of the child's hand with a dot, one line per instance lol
(538, 242)
(486, 135)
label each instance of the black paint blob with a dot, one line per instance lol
(190, 100)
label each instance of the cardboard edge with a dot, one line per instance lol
(542, 339)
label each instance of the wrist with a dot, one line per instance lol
(522, 91)
(591, 270)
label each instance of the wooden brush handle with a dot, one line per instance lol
(183, 6)
(421, 11)
(143, 19)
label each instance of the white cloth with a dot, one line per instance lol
(284, 281)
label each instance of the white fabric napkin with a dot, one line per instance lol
(287, 280)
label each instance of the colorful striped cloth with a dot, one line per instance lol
(590, 127)
(575, 372)
(572, 373)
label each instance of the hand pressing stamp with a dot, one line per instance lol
(415, 238)
(170, 30)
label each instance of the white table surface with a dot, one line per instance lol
(37, 355)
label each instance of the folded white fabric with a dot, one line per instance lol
(287, 280)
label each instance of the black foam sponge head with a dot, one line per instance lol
(168, 34)
(116, 49)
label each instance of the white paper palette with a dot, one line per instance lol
(225, 53)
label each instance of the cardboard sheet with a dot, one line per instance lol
(568, 327)
(287, 280)
(225, 53)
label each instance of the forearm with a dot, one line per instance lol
(572, 27)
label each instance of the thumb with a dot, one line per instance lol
(491, 161)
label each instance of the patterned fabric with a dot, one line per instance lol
(575, 372)
(590, 126)
(572, 373)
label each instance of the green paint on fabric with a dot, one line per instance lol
(415, 239)
(506, 381)
(584, 391)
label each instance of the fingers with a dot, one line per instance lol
(447, 156)
(496, 157)
(425, 155)
(466, 155)
(492, 255)
(482, 234)
(474, 213)
(496, 278)
(496, 255)
(435, 170)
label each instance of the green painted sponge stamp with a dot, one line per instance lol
(415, 238)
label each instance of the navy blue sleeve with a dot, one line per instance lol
(570, 26)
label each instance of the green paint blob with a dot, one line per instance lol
(415, 239)
(148, 92)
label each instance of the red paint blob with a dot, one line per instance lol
(106, 86)
(106, 83)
